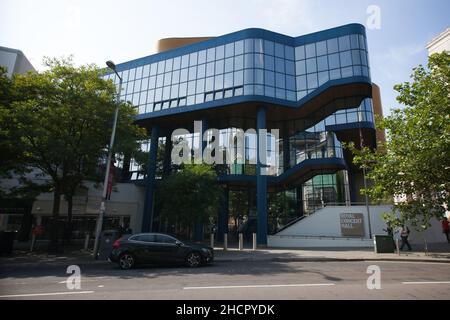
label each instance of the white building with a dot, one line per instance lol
(440, 43)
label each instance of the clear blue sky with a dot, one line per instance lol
(98, 30)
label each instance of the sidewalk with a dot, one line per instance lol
(248, 255)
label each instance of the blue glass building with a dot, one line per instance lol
(316, 89)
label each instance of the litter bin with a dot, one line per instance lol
(107, 239)
(7, 242)
(384, 244)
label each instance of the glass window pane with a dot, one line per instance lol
(259, 76)
(146, 71)
(202, 57)
(220, 52)
(280, 80)
(259, 60)
(176, 76)
(229, 64)
(193, 59)
(228, 83)
(239, 47)
(201, 71)
(300, 67)
(248, 60)
(183, 75)
(332, 46)
(347, 72)
(333, 60)
(218, 95)
(344, 43)
(228, 93)
(174, 92)
(280, 93)
(362, 42)
(192, 73)
(238, 91)
(290, 67)
(161, 66)
(209, 97)
(300, 53)
(209, 84)
(167, 78)
(218, 82)
(322, 63)
(152, 82)
(354, 41)
(153, 68)
(229, 50)
(356, 58)
(238, 62)
(301, 83)
(219, 66)
(211, 54)
(191, 88)
(159, 80)
(269, 78)
(289, 52)
(279, 50)
(144, 86)
(185, 61)
(311, 65)
(321, 48)
(248, 76)
(269, 62)
(269, 91)
(183, 89)
(269, 47)
(323, 77)
(310, 50)
(176, 63)
(210, 69)
(346, 59)
(259, 90)
(248, 45)
(290, 83)
(138, 72)
(335, 74)
(169, 65)
(312, 81)
(259, 46)
(132, 74)
(166, 93)
(279, 65)
(238, 78)
(200, 86)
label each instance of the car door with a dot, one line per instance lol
(143, 247)
(168, 250)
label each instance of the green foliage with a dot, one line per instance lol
(414, 163)
(60, 122)
(190, 194)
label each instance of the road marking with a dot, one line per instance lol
(45, 294)
(262, 286)
(427, 282)
(408, 262)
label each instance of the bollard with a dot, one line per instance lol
(33, 242)
(241, 241)
(254, 241)
(86, 242)
(212, 240)
(398, 247)
(225, 241)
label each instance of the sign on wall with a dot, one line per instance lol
(352, 224)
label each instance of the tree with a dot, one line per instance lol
(61, 120)
(414, 164)
(192, 194)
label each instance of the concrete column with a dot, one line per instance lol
(347, 189)
(222, 223)
(147, 219)
(261, 179)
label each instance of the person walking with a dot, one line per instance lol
(446, 228)
(404, 234)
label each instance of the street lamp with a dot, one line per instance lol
(101, 215)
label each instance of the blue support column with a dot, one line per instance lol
(147, 218)
(222, 223)
(261, 180)
(198, 230)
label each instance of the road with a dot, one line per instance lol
(268, 280)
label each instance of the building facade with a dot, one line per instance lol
(440, 43)
(315, 89)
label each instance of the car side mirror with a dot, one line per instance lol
(178, 243)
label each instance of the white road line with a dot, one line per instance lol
(262, 286)
(45, 294)
(406, 262)
(427, 282)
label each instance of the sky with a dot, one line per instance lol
(94, 31)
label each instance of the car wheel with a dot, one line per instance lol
(126, 261)
(193, 259)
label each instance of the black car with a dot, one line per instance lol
(158, 248)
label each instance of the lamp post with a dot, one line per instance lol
(101, 214)
(367, 201)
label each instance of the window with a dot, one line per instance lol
(311, 65)
(290, 83)
(211, 54)
(167, 79)
(259, 46)
(161, 65)
(200, 86)
(191, 88)
(176, 63)
(344, 43)
(159, 80)
(269, 47)
(279, 50)
(269, 91)
(239, 62)
(347, 72)
(185, 61)
(301, 83)
(183, 89)
(332, 46)
(354, 41)
(169, 65)
(269, 78)
(184, 75)
(239, 47)
(165, 239)
(248, 44)
(333, 60)
(300, 67)
(335, 74)
(229, 64)
(290, 67)
(193, 59)
(322, 63)
(202, 57)
(143, 238)
(229, 50)
(321, 48)
(228, 93)
(238, 78)
(228, 80)
(312, 81)
(201, 71)
(259, 76)
(210, 69)
(248, 60)
(259, 60)
(289, 53)
(192, 73)
(176, 77)
(300, 53)
(139, 73)
(279, 65)
(280, 80)
(219, 66)
(356, 58)
(269, 62)
(218, 82)
(174, 91)
(209, 84)
(346, 59)
(220, 52)
(323, 77)
(310, 50)
(153, 68)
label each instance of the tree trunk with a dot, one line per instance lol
(68, 229)
(53, 245)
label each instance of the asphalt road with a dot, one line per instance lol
(268, 280)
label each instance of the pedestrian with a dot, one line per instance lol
(404, 234)
(446, 228)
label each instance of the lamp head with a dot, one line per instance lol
(111, 65)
